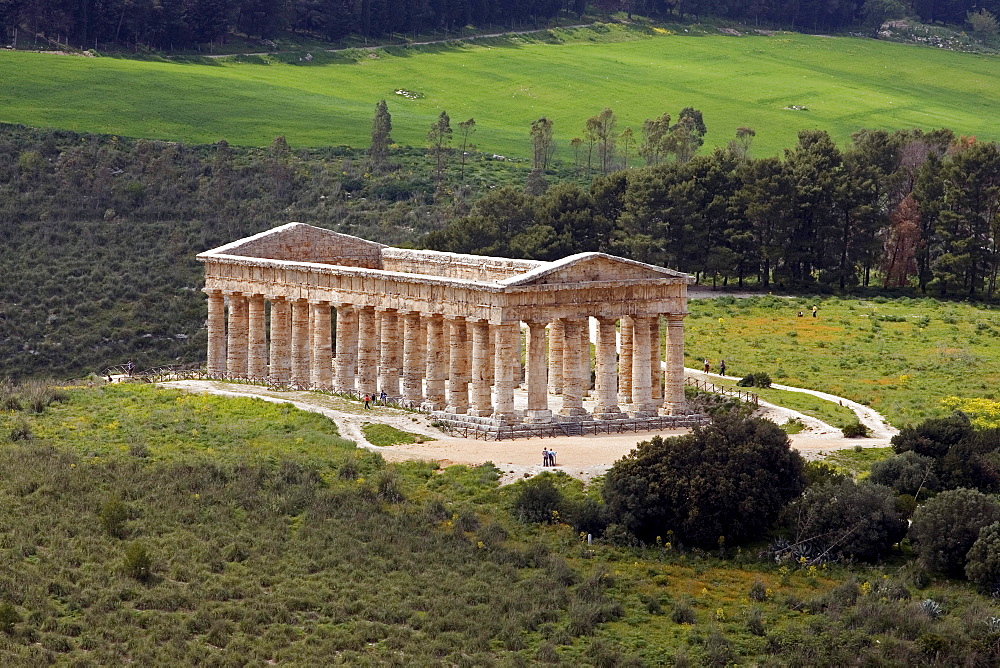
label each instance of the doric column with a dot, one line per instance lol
(279, 368)
(321, 375)
(458, 366)
(625, 360)
(673, 390)
(236, 359)
(257, 337)
(493, 346)
(216, 333)
(388, 365)
(506, 349)
(585, 356)
(572, 391)
(519, 370)
(367, 351)
(347, 347)
(655, 365)
(642, 391)
(538, 396)
(437, 363)
(607, 371)
(482, 365)
(412, 371)
(300, 343)
(557, 340)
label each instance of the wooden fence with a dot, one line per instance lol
(706, 386)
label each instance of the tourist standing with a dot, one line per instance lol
(368, 401)
(722, 368)
(814, 310)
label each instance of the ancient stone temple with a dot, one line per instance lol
(306, 307)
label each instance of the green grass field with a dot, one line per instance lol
(900, 356)
(566, 75)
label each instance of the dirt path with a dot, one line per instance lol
(583, 457)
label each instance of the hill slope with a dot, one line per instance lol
(844, 83)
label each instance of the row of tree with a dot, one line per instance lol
(903, 208)
(167, 24)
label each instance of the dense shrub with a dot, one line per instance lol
(756, 379)
(113, 516)
(855, 430)
(983, 560)
(908, 473)
(137, 563)
(933, 437)
(728, 479)
(538, 500)
(818, 473)
(845, 519)
(8, 618)
(945, 528)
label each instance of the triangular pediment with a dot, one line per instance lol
(592, 268)
(298, 242)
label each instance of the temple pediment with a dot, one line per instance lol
(591, 268)
(305, 243)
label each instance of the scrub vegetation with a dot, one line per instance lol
(142, 524)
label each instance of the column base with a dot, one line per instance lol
(457, 410)
(672, 409)
(573, 413)
(643, 411)
(613, 413)
(479, 412)
(538, 417)
(431, 406)
(504, 418)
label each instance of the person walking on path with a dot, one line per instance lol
(130, 368)
(708, 367)
(368, 401)
(814, 310)
(722, 368)
(384, 398)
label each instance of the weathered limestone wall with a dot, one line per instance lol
(454, 265)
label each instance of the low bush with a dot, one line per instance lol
(855, 430)
(137, 562)
(946, 527)
(538, 500)
(908, 473)
(983, 560)
(756, 379)
(847, 520)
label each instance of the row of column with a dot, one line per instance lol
(448, 362)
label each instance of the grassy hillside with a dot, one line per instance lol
(146, 525)
(900, 356)
(566, 75)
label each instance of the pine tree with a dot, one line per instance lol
(378, 153)
(439, 139)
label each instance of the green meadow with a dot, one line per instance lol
(902, 357)
(505, 83)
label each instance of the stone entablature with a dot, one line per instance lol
(444, 330)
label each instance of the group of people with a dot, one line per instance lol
(722, 367)
(548, 457)
(371, 398)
